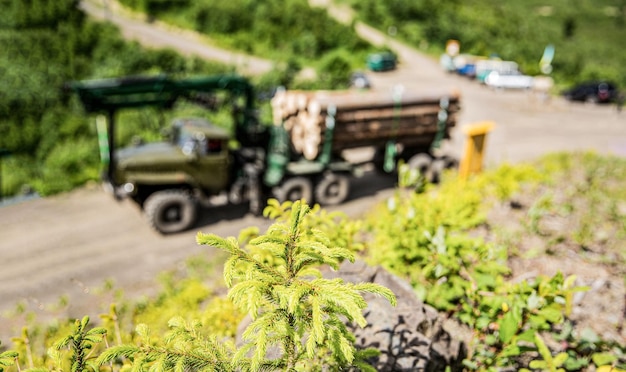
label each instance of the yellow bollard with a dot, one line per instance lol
(472, 161)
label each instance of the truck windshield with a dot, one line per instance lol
(189, 141)
(182, 136)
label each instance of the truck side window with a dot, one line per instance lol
(214, 146)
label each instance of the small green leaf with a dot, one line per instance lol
(538, 364)
(551, 314)
(601, 359)
(511, 350)
(560, 358)
(510, 324)
(542, 348)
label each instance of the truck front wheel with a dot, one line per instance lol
(332, 189)
(170, 211)
(293, 189)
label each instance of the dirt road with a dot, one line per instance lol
(69, 244)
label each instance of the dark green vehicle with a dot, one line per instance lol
(167, 178)
(384, 61)
(171, 180)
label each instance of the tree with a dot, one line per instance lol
(297, 318)
(276, 280)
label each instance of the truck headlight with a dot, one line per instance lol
(128, 188)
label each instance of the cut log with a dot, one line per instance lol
(361, 119)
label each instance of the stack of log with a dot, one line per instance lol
(361, 118)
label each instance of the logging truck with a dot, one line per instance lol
(298, 156)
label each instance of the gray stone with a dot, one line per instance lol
(409, 336)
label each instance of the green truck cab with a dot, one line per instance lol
(165, 178)
(171, 179)
(196, 153)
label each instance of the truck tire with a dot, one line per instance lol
(293, 189)
(378, 160)
(332, 189)
(438, 166)
(422, 163)
(170, 211)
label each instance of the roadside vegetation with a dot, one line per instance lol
(457, 257)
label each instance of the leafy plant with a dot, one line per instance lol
(432, 238)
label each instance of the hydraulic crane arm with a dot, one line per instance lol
(106, 95)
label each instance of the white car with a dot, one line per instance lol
(509, 80)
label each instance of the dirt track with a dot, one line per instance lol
(70, 243)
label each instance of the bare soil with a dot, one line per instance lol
(69, 244)
(552, 248)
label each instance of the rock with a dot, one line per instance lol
(410, 336)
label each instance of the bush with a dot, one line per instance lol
(77, 160)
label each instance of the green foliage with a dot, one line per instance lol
(341, 230)
(259, 28)
(420, 236)
(509, 318)
(296, 317)
(291, 306)
(80, 344)
(424, 237)
(548, 363)
(23, 346)
(586, 348)
(183, 348)
(7, 359)
(335, 68)
(36, 13)
(190, 299)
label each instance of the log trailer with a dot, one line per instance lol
(299, 156)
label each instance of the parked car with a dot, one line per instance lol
(381, 61)
(592, 91)
(465, 64)
(469, 70)
(509, 80)
(486, 66)
(360, 81)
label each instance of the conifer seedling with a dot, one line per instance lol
(293, 309)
